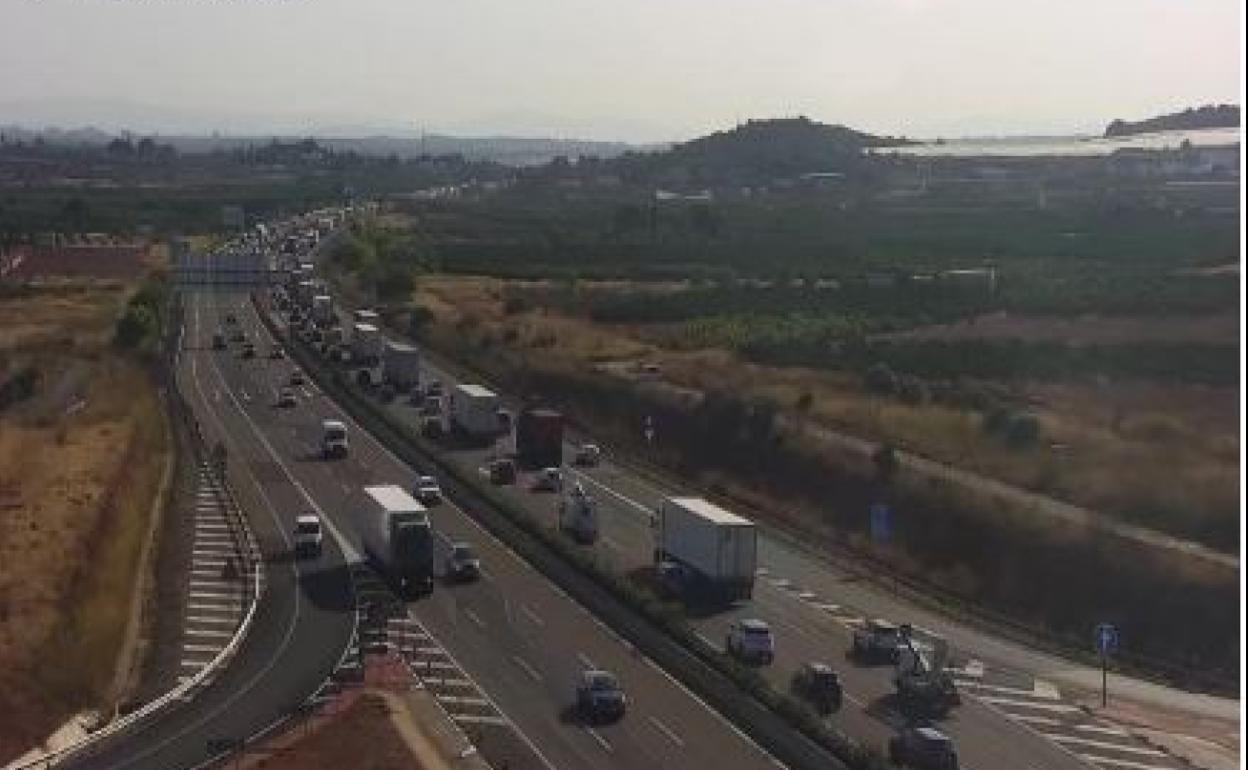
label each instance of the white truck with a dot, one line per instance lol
(400, 365)
(578, 515)
(705, 551)
(397, 536)
(367, 344)
(366, 317)
(333, 439)
(323, 310)
(474, 411)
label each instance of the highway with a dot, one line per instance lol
(1009, 716)
(302, 625)
(518, 638)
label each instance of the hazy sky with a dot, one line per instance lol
(625, 69)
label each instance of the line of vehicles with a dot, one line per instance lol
(703, 553)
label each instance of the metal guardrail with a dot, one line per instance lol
(253, 564)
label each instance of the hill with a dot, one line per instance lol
(756, 151)
(1209, 116)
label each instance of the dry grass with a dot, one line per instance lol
(1143, 451)
(76, 490)
(1087, 330)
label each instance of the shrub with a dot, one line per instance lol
(1022, 431)
(996, 420)
(135, 325)
(912, 390)
(881, 379)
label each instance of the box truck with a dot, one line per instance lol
(366, 317)
(401, 365)
(714, 550)
(323, 310)
(333, 439)
(539, 438)
(474, 412)
(366, 344)
(397, 536)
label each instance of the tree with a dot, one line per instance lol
(395, 283)
(134, 326)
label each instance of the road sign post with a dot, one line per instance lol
(1106, 640)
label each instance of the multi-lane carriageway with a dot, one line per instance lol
(515, 638)
(1009, 718)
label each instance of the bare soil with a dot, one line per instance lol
(365, 735)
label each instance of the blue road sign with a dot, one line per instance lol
(1106, 638)
(881, 522)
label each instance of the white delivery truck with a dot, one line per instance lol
(323, 310)
(397, 536)
(704, 550)
(333, 439)
(474, 412)
(366, 344)
(578, 515)
(400, 365)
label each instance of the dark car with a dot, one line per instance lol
(277, 353)
(503, 472)
(462, 563)
(923, 748)
(599, 696)
(878, 641)
(818, 685)
(249, 350)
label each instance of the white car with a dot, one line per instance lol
(548, 480)
(588, 455)
(751, 641)
(308, 535)
(427, 491)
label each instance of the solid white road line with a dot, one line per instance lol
(213, 648)
(1102, 729)
(1124, 748)
(1047, 695)
(206, 619)
(1057, 708)
(1122, 763)
(461, 700)
(478, 719)
(206, 632)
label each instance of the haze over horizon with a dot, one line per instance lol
(639, 71)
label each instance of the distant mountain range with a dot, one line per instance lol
(1209, 116)
(516, 151)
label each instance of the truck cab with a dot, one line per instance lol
(333, 439)
(877, 640)
(751, 641)
(308, 535)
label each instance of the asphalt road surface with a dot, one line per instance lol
(1009, 716)
(519, 638)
